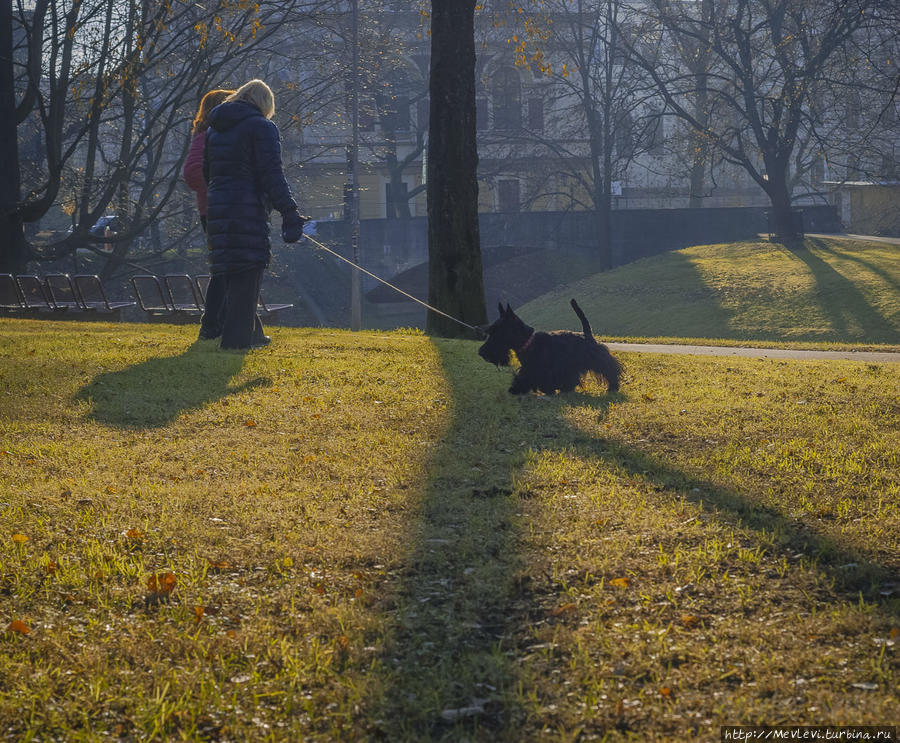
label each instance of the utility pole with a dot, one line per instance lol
(355, 292)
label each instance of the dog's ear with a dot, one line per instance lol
(508, 309)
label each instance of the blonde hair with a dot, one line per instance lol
(258, 94)
(207, 104)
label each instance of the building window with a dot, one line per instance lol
(507, 99)
(624, 137)
(656, 133)
(536, 114)
(481, 114)
(396, 204)
(508, 196)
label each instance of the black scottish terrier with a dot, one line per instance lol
(549, 361)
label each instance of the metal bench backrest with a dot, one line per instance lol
(34, 293)
(91, 292)
(201, 281)
(10, 297)
(62, 291)
(183, 295)
(93, 295)
(150, 295)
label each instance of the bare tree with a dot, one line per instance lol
(763, 64)
(602, 110)
(455, 281)
(106, 89)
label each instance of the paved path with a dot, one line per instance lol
(868, 238)
(879, 357)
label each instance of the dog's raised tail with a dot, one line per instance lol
(585, 325)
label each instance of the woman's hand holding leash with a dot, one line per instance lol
(292, 227)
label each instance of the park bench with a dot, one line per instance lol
(263, 308)
(11, 302)
(183, 295)
(34, 293)
(92, 295)
(62, 293)
(148, 290)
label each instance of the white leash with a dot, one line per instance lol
(396, 289)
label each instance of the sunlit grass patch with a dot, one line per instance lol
(828, 291)
(361, 536)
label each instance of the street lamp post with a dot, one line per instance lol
(355, 290)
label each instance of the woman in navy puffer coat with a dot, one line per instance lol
(245, 180)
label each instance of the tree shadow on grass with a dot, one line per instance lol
(156, 391)
(847, 308)
(874, 268)
(450, 668)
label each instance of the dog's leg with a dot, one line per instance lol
(520, 385)
(608, 367)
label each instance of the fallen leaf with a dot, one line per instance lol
(620, 582)
(19, 538)
(894, 632)
(690, 621)
(343, 641)
(666, 692)
(198, 613)
(288, 562)
(135, 534)
(18, 626)
(250, 423)
(161, 584)
(564, 609)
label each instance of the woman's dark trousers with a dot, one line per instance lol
(241, 326)
(213, 308)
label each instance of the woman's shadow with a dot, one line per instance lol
(156, 391)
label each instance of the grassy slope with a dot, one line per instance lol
(831, 291)
(372, 540)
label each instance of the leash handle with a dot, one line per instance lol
(477, 330)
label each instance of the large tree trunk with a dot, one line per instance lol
(782, 222)
(13, 250)
(455, 281)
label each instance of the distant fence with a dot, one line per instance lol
(637, 233)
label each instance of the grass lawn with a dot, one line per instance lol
(364, 537)
(827, 293)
